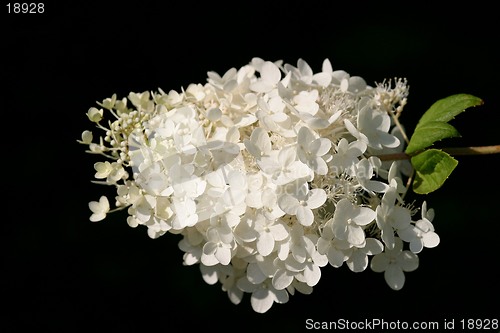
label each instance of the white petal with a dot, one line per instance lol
(335, 257)
(312, 274)
(214, 114)
(343, 211)
(416, 245)
(209, 274)
(394, 277)
(282, 279)
(373, 246)
(320, 146)
(302, 288)
(283, 250)
(431, 239)
(235, 295)
(268, 165)
(287, 155)
(388, 140)
(356, 148)
(295, 262)
(223, 254)
(344, 85)
(364, 216)
(230, 85)
(319, 259)
(152, 233)
(375, 186)
(315, 122)
(260, 139)
(327, 66)
(96, 217)
(245, 232)
(358, 261)
(323, 245)
(304, 68)
(254, 199)
(401, 217)
(355, 235)
(305, 136)
(209, 248)
(246, 285)
(280, 296)
(254, 274)
(357, 84)
(279, 231)
(262, 300)
(261, 86)
(322, 79)
(408, 234)
(353, 130)
(328, 231)
(265, 243)
(380, 262)
(236, 178)
(408, 261)
(252, 148)
(316, 198)
(398, 245)
(267, 266)
(270, 73)
(190, 259)
(288, 204)
(388, 237)
(335, 116)
(216, 179)
(209, 260)
(100, 207)
(305, 216)
(339, 228)
(318, 165)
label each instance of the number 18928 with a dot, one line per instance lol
(25, 8)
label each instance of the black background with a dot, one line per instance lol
(62, 272)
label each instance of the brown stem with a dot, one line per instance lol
(473, 150)
(482, 150)
(394, 157)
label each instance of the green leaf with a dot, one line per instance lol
(432, 168)
(428, 133)
(433, 125)
(447, 108)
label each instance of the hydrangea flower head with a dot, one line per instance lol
(270, 173)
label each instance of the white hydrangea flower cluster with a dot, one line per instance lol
(270, 173)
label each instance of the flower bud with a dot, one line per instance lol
(95, 115)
